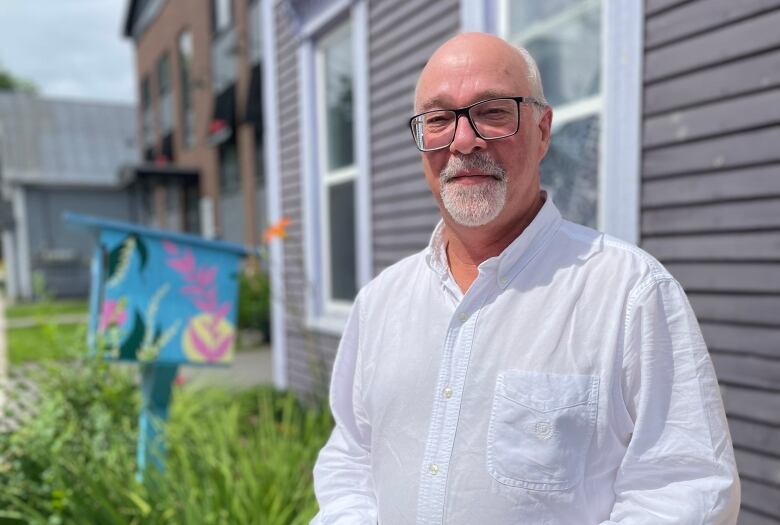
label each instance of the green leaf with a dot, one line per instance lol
(133, 342)
(143, 251)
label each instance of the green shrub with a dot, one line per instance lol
(254, 302)
(233, 457)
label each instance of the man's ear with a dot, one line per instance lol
(545, 128)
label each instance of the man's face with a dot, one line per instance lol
(474, 181)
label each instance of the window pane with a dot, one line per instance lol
(229, 177)
(185, 70)
(337, 70)
(570, 170)
(564, 36)
(342, 240)
(524, 14)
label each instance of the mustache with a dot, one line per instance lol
(479, 161)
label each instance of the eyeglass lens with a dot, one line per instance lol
(493, 119)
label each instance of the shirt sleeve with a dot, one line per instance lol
(342, 474)
(679, 465)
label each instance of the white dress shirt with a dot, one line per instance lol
(569, 385)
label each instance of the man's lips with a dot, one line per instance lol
(471, 178)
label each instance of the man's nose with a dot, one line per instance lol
(466, 139)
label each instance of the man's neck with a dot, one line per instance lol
(468, 247)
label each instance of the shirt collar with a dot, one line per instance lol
(508, 263)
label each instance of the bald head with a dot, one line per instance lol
(472, 52)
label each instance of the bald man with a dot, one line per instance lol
(521, 368)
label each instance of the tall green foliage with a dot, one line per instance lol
(233, 457)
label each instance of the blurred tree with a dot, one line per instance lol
(9, 82)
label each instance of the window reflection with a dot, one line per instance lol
(570, 170)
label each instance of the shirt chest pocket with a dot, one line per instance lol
(540, 429)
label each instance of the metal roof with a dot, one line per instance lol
(63, 142)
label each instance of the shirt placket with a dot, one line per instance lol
(446, 410)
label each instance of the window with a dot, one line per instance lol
(164, 91)
(147, 122)
(185, 76)
(222, 18)
(337, 166)
(229, 176)
(564, 36)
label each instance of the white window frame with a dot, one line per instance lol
(321, 313)
(619, 105)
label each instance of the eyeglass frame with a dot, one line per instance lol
(465, 111)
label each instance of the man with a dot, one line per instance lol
(521, 369)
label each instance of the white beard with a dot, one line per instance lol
(473, 204)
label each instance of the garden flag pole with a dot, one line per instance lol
(160, 299)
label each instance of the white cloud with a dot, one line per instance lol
(69, 48)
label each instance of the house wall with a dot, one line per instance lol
(402, 35)
(235, 214)
(62, 251)
(711, 206)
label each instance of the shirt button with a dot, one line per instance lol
(463, 316)
(447, 392)
(433, 468)
(503, 280)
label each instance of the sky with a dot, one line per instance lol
(69, 48)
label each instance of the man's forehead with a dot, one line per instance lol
(446, 98)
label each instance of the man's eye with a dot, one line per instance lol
(493, 113)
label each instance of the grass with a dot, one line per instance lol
(43, 309)
(234, 458)
(45, 341)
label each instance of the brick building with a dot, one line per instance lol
(199, 114)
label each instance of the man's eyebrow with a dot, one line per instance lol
(442, 103)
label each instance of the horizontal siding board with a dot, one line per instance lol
(422, 226)
(732, 151)
(422, 205)
(757, 405)
(748, 371)
(728, 277)
(728, 80)
(654, 6)
(748, 516)
(401, 87)
(407, 56)
(761, 181)
(384, 16)
(755, 309)
(747, 339)
(759, 467)
(737, 40)
(759, 246)
(403, 189)
(697, 17)
(761, 497)
(411, 31)
(726, 116)
(742, 215)
(754, 436)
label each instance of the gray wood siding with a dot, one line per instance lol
(402, 36)
(711, 205)
(309, 354)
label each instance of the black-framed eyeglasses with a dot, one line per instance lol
(491, 119)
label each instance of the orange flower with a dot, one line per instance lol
(277, 229)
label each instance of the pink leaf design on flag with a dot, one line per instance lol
(206, 275)
(170, 248)
(206, 305)
(191, 289)
(221, 312)
(184, 265)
